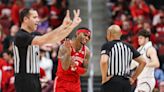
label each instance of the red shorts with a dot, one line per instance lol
(61, 85)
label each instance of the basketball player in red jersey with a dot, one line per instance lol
(73, 62)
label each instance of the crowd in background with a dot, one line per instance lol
(136, 15)
(131, 15)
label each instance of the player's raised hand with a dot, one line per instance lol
(74, 65)
(67, 20)
(76, 20)
(67, 46)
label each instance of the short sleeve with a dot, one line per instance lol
(135, 52)
(23, 40)
(105, 49)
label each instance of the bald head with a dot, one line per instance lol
(114, 31)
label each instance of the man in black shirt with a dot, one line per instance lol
(26, 48)
(115, 60)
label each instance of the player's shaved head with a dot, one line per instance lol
(114, 31)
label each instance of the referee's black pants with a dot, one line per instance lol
(27, 83)
(116, 84)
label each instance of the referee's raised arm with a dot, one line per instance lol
(61, 32)
(115, 60)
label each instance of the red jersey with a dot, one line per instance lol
(160, 29)
(8, 78)
(70, 75)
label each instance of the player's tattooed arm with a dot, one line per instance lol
(86, 59)
(65, 55)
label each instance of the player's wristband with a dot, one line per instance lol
(80, 70)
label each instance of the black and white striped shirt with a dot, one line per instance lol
(120, 56)
(26, 56)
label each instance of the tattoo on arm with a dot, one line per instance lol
(65, 57)
(86, 60)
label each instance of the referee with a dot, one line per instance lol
(26, 48)
(115, 60)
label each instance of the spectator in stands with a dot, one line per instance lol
(126, 31)
(57, 13)
(1, 38)
(46, 64)
(5, 20)
(18, 5)
(43, 11)
(119, 8)
(159, 75)
(8, 72)
(156, 17)
(138, 25)
(139, 7)
(148, 27)
(7, 43)
(161, 87)
(46, 84)
(160, 27)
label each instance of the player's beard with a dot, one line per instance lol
(82, 43)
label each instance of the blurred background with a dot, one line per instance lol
(131, 15)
